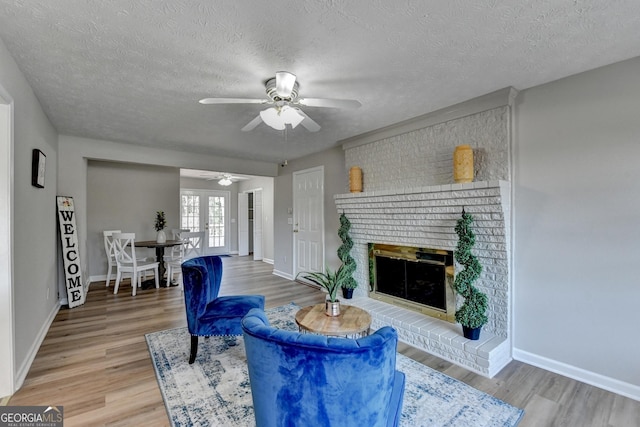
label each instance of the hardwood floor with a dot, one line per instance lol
(94, 361)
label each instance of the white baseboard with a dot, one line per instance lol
(631, 391)
(267, 260)
(283, 274)
(23, 370)
(101, 278)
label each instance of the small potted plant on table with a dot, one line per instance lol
(472, 314)
(331, 281)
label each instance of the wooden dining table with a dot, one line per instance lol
(159, 247)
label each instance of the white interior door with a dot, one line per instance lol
(243, 224)
(308, 220)
(257, 225)
(207, 210)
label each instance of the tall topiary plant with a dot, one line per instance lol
(472, 313)
(344, 253)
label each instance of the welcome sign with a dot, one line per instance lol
(70, 252)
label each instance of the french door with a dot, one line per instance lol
(207, 210)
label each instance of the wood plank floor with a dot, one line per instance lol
(94, 361)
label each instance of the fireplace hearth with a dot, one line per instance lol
(419, 279)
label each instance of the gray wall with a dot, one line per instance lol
(577, 206)
(336, 181)
(126, 196)
(34, 247)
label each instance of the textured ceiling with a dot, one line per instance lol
(133, 71)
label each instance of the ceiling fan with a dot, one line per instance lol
(282, 93)
(224, 179)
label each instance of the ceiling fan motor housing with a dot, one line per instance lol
(273, 95)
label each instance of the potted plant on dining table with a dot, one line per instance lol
(160, 224)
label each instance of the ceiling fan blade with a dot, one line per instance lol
(308, 123)
(331, 103)
(252, 124)
(232, 101)
(284, 83)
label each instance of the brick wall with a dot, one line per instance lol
(425, 156)
(426, 217)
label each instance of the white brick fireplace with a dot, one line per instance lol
(409, 199)
(425, 217)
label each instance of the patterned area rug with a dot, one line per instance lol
(215, 390)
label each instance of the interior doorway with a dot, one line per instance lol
(250, 223)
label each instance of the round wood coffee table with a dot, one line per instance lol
(353, 322)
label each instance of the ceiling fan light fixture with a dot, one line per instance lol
(291, 116)
(279, 117)
(225, 181)
(271, 118)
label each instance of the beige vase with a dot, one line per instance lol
(355, 179)
(463, 164)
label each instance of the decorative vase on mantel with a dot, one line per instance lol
(332, 308)
(355, 179)
(162, 237)
(463, 164)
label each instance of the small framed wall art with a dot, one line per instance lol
(38, 168)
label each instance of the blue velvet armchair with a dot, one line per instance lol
(207, 313)
(312, 380)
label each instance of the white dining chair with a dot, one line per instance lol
(175, 252)
(124, 244)
(110, 252)
(175, 232)
(192, 246)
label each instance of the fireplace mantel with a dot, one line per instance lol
(504, 186)
(426, 217)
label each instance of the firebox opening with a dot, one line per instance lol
(416, 278)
